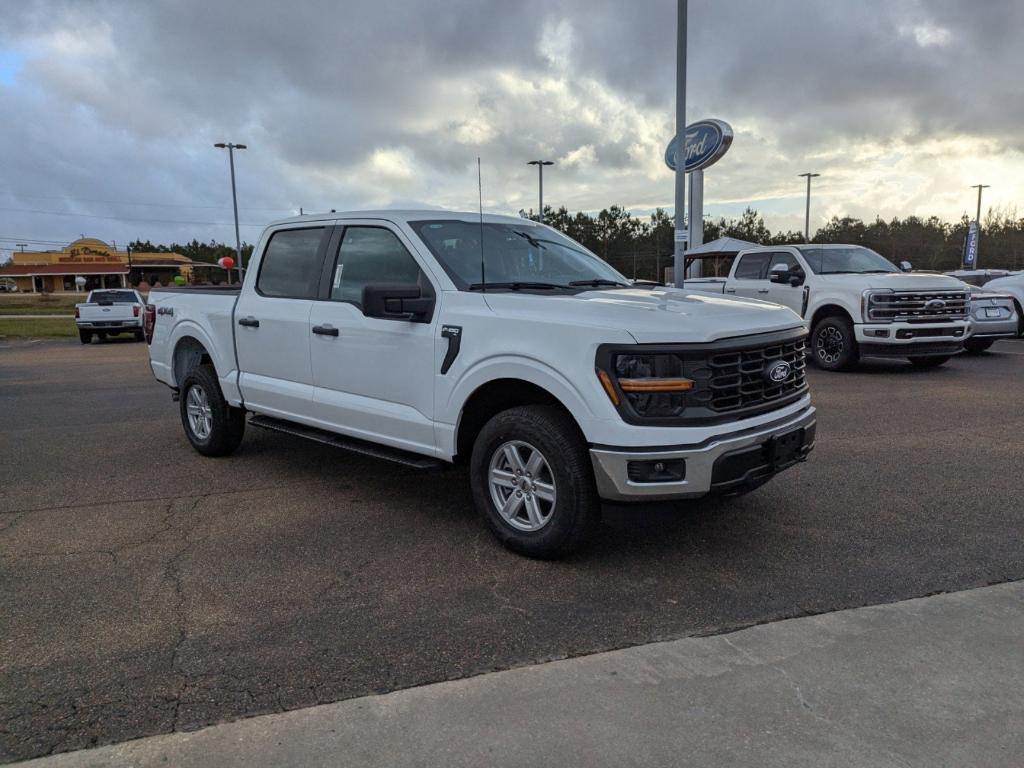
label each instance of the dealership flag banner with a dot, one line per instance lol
(971, 246)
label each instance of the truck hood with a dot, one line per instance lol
(661, 316)
(896, 281)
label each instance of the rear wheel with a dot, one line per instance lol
(85, 337)
(533, 482)
(977, 346)
(212, 426)
(833, 345)
(929, 362)
(140, 336)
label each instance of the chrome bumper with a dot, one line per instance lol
(611, 465)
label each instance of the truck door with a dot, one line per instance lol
(787, 294)
(271, 323)
(749, 276)
(373, 377)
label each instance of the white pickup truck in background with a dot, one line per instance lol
(110, 312)
(431, 338)
(855, 302)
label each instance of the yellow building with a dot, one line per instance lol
(98, 264)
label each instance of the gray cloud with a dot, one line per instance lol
(374, 103)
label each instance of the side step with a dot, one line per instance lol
(396, 455)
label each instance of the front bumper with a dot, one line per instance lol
(911, 339)
(721, 464)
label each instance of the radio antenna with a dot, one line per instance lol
(480, 198)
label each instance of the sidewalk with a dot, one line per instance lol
(937, 681)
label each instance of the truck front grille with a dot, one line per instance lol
(918, 307)
(739, 379)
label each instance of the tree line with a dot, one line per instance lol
(642, 246)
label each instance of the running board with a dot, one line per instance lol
(396, 455)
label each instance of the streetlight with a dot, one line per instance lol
(680, 242)
(234, 199)
(979, 187)
(807, 213)
(540, 180)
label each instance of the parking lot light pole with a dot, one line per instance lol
(234, 200)
(807, 210)
(540, 183)
(679, 250)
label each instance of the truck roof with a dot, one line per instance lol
(406, 215)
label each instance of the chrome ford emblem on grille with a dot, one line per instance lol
(778, 372)
(935, 304)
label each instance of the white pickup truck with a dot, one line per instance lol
(431, 338)
(109, 312)
(856, 303)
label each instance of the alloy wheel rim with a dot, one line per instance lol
(829, 344)
(522, 485)
(200, 414)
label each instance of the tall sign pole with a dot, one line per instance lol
(977, 221)
(679, 262)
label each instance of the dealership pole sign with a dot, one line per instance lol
(706, 141)
(971, 246)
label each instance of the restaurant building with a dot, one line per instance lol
(97, 263)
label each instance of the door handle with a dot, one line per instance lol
(762, 290)
(730, 290)
(249, 322)
(325, 330)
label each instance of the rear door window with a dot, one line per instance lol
(290, 268)
(753, 266)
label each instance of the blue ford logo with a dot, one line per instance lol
(778, 372)
(706, 141)
(935, 304)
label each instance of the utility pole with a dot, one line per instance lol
(807, 212)
(540, 183)
(679, 261)
(979, 187)
(21, 246)
(234, 200)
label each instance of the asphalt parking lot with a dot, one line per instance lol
(145, 589)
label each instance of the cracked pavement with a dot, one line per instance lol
(146, 589)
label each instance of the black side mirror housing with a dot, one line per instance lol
(397, 301)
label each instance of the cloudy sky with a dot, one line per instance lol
(110, 108)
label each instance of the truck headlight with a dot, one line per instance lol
(652, 383)
(874, 298)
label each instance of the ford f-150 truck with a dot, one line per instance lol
(109, 312)
(856, 303)
(432, 338)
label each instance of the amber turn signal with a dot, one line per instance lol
(606, 382)
(650, 386)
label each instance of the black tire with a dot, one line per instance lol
(85, 337)
(977, 346)
(834, 345)
(929, 362)
(227, 424)
(140, 336)
(102, 336)
(575, 513)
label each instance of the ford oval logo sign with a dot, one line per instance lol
(778, 372)
(935, 304)
(706, 141)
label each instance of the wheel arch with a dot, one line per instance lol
(189, 353)
(493, 397)
(828, 309)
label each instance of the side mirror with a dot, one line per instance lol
(397, 301)
(779, 273)
(906, 266)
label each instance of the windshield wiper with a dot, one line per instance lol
(515, 286)
(597, 281)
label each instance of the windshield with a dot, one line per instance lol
(116, 296)
(842, 261)
(515, 256)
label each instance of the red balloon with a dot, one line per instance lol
(227, 262)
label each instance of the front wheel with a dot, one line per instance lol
(533, 482)
(212, 426)
(977, 346)
(929, 362)
(833, 345)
